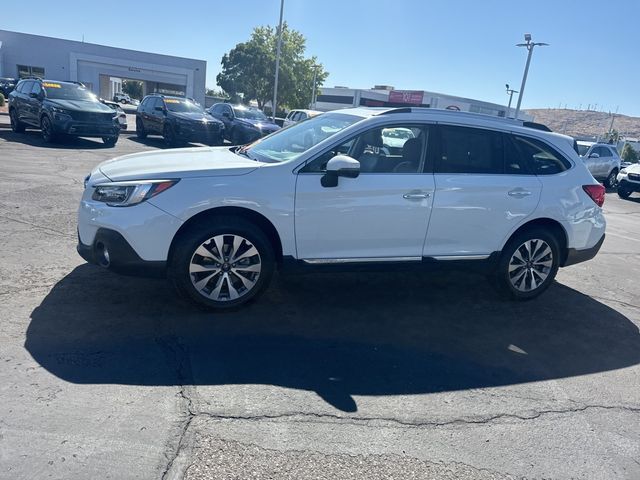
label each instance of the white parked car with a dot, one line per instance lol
(602, 160)
(465, 188)
(295, 116)
(629, 180)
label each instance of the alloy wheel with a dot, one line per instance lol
(46, 129)
(530, 265)
(225, 267)
(13, 120)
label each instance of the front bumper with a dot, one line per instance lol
(582, 255)
(110, 250)
(86, 129)
(209, 134)
(632, 186)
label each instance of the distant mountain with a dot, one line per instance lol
(585, 122)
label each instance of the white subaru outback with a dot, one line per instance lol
(459, 188)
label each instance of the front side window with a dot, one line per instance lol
(250, 113)
(605, 152)
(392, 149)
(36, 88)
(470, 150)
(290, 143)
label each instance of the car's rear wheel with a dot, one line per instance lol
(110, 141)
(47, 130)
(623, 192)
(141, 133)
(16, 125)
(612, 179)
(528, 264)
(223, 263)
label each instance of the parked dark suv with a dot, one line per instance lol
(178, 120)
(242, 124)
(61, 108)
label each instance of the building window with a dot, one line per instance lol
(26, 71)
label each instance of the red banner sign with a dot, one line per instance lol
(410, 97)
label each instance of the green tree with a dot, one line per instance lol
(211, 92)
(133, 88)
(612, 136)
(248, 69)
(629, 154)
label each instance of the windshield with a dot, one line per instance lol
(291, 142)
(179, 105)
(250, 113)
(583, 149)
(67, 91)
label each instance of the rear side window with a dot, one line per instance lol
(470, 150)
(540, 158)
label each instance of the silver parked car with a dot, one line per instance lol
(602, 160)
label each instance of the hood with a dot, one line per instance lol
(178, 163)
(635, 168)
(264, 125)
(81, 105)
(195, 117)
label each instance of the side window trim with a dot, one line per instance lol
(568, 164)
(437, 157)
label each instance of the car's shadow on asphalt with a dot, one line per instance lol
(336, 334)
(34, 138)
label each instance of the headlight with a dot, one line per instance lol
(623, 171)
(60, 110)
(125, 194)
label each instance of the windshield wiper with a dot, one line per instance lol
(243, 151)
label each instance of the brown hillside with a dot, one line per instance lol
(585, 122)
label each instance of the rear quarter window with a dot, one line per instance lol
(540, 158)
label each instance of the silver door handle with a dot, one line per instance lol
(416, 196)
(519, 193)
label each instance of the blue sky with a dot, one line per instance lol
(459, 47)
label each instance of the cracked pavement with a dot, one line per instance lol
(326, 376)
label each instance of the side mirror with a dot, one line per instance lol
(226, 114)
(33, 95)
(594, 155)
(159, 109)
(340, 166)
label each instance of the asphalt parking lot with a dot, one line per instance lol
(330, 376)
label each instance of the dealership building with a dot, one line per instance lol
(386, 96)
(100, 68)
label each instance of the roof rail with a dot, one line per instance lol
(397, 110)
(537, 126)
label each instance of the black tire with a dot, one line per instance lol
(227, 228)
(623, 192)
(612, 179)
(237, 138)
(141, 133)
(522, 288)
(47, 130)
(169, 136)
(16, 125)
(110, 141)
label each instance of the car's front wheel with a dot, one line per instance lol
(141, 133)
(47, 130)
(222, 263)
(110, 141)
(16, 125)
(612, 179)
(528, 264)
(623, 192)
(169, 136)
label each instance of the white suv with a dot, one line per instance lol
(333, 190)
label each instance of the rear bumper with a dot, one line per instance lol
(577, 256)
(110, 250)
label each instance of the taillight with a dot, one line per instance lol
(596, 192)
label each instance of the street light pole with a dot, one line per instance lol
(279, 48)
(510, 92)
(529, 46)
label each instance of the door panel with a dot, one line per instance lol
(363, 217)
(473, 213)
